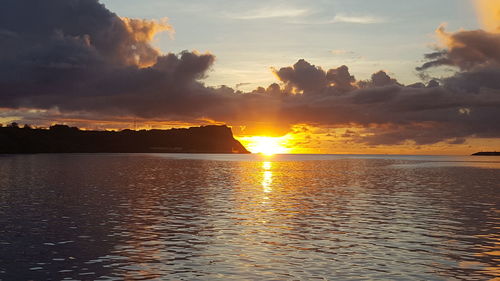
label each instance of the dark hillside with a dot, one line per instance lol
(64, 139)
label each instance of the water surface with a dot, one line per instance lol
(248, 217)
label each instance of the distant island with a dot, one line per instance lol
(65, 139)
(494, 153)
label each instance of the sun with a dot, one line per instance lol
(266, 145)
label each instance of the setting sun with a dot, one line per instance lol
(266, 145)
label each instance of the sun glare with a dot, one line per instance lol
(489, 13)
(266, 145)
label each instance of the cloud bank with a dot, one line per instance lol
(79, 59)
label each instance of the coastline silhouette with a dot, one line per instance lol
(65, 139)
(487, 153)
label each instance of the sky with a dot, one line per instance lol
(250, 37)
(396, 77)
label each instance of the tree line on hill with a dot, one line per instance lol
(66, 139)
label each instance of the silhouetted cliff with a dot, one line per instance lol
(64, 139)
(486, 154)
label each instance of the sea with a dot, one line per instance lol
(249, 217)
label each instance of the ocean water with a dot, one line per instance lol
(249, 217)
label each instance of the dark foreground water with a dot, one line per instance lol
(246, 217)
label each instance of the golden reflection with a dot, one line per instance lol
(267, 165)
(267, 181)
(267, 178)
(490, 252)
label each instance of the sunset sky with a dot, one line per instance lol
(249, 37)
(336, 76)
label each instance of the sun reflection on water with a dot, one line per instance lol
(267, 177)
(160, 218)
(267, 165)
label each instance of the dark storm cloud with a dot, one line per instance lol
(76, 55)
(311, 79)
(76, 58)
(466, 50)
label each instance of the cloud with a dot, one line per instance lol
(271, 12)
(474, 53)
(77, 55)
(75, 59)
(308, 79)
(466, 50)
(242, 84)
(342, 18)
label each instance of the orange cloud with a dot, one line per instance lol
(142, 32)
(146, 30)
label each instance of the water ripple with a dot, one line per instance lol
(142, 217)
